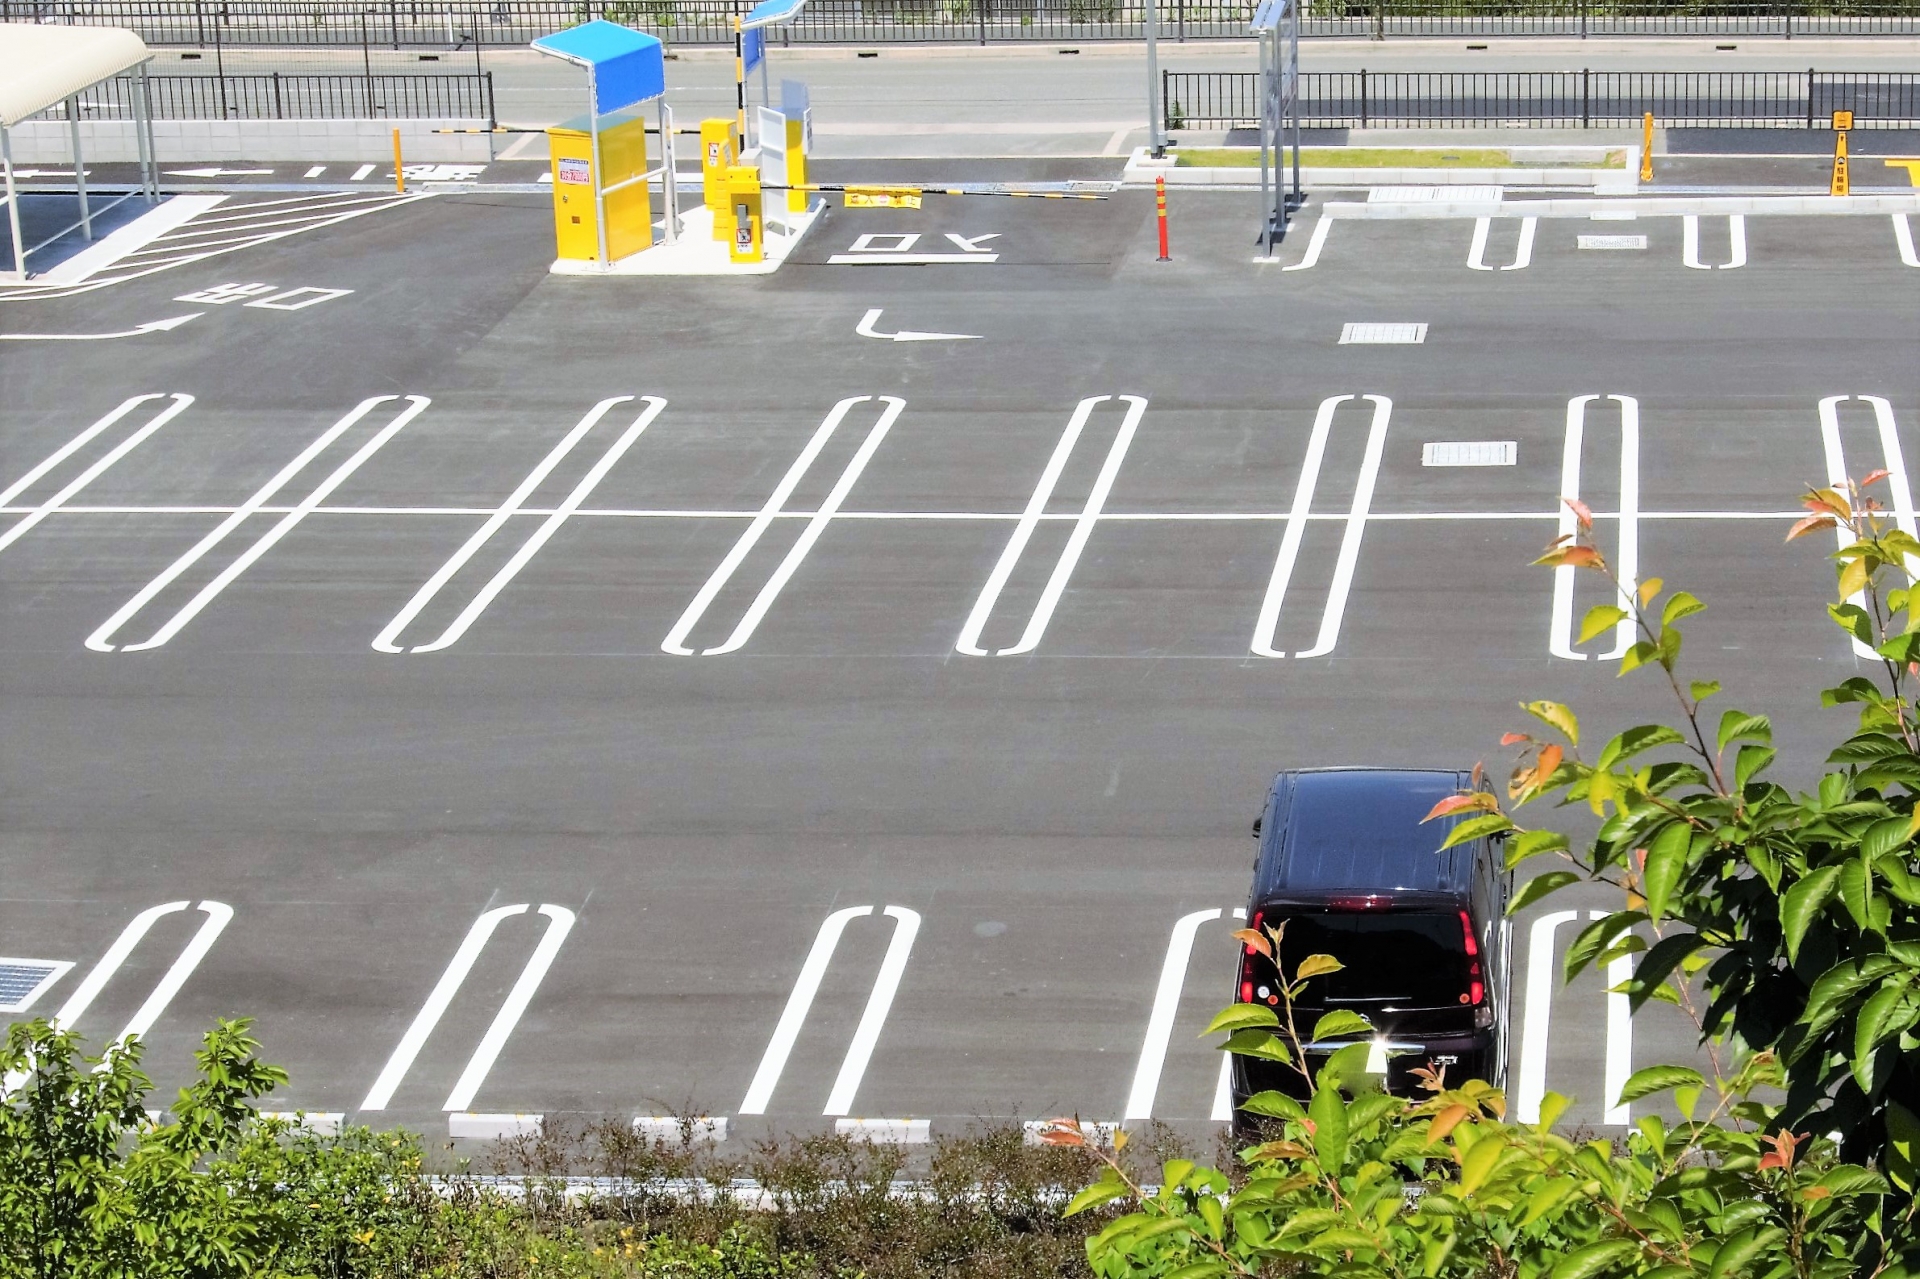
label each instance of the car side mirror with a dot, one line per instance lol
(1257, 823)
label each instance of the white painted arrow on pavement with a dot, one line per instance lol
(217, 173)
(157, 326)
(865, 330)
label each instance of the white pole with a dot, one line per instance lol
(13, 205)
(599, 177)
(143, 125)
(669, 184)
(1155, 139)
(79, 168)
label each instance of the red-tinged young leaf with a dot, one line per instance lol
(1479, 773)
(1446, 1121)
(1513, 739)
(1874, 477)
(1255, 940)
(1281, 1150)
(1827, 500)
(1781, 1156)
(1459, 804)
(1581, 512)
(1549, 760)
(1581, 557)
(1811, 524)
(1063, 1132)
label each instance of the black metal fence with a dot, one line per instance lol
(294, 97)
(455, 23)
(1552, 99)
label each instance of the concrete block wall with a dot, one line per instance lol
(176, 141)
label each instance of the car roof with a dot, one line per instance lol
(1358, 830)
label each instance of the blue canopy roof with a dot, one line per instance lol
(1267, 16)
(772, 13)
(628, 66)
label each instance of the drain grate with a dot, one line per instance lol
(1615, 242)
(1383, 334)
(24, 980)
(1469, 453)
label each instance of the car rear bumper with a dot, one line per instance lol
(1462, 1056)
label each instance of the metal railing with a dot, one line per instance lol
(279, 96)
(456, 23)
(1552, 99)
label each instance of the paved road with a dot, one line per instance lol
(702, 687)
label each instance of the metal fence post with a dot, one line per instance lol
(279, 112)
(1809, 97)
(393, 22)
(1363, 97)
(493, 121)
(1583, 19)
(366, 63)
(980, 11)
(1788, 6)
(1586, 97)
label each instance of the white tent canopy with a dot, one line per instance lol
(43, 65)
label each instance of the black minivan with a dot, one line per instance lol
(1345, 861)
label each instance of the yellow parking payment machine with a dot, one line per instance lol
(628, 208)
(745, 229)
(719, 151)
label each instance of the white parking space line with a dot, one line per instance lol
(1536, 1028)
(86, 477)
(1315, 243)
(1903, 240)
(1523, 250)
(675, 642)
(1166, 1003)
(1626, 559)
(384, 641)
(1893, 461)
(1736, 243)
(969, 640)
(559, 922)
(865, 1036)
(101, 640)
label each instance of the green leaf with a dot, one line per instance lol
(1555, 716)
(1547, 1198)
(1666, 861)
(1594, 1259)
(1702, 689)
(1533, 843)
(1255, 1042)
(1093, 1196)
(1884, 837)
(1478, 1163)
(1316, 966)
(1849, 1179)
(1341, 1023)
(1634, 740)
(1735, 1254)
(1600, 619)
(1239, 1017)
(1801, 904)
(1854, 620)
(1839, 984)
(1751, 761)
(1274, 1105)
(1680, 604)
(1887, 1012)
(1903, 1146)
(1856, 891)
(1475, 828)
(1738, 725)
(1329, 1115)
(1540, 886)
(1202, 1269)
(1645, 1083)
(1594, 938)
(1308, 1220)
(1651, 973)
(1552, 1106)
(1637, 656)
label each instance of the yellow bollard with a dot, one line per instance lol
(743, 207)
(399, 175)
(1646, 148)
(1841, 185)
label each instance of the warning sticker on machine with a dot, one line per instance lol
(577, 172)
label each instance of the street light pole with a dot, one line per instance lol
(1155, 139)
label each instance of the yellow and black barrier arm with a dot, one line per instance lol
(905, 193)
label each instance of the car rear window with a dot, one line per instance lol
(1399, 959)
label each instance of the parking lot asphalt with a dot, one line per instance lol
(517, 692)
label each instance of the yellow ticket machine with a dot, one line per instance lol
(745, 229)
(617, 192)
(719, 151)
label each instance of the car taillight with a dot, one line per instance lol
(1476, 984)
(1371, 902)
(1250, 991)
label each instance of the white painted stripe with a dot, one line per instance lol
(100, 640)
(969, 641)
(1736, 242)
(1534, 1031)
(218, 915)
(867, 1034)
(102, 972)
(86, 477)
(1903, 239)
(1893, 461)
(360, 173)
(1266, 627)
(1223, 1091)
(1626, 560)
(1082, 530)
(1619, 1066)
(1737, 237)
(1349, 559)
(787, 1029)
(1316, 242)
(911, 259)
(1477, 249)
(548, 527)
(1523, 252)
(1166, 1003)
(436, 1006)
(811, 534)
(164, 218)
(1690, 242)
(675, 642)
(559, 924)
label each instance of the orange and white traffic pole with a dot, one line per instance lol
(1160, 203)
(399, 173)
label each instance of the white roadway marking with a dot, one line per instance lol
(1166, 1003)
(384, 641)
(1534, 1034)
(101, 640)
(217, 916)
(1736, 242)
(774, 1061)
(93, 472)
(152, 326)
(1903, 240)
(559, 921)
(865, 329)
(1627, 559)
(1523, 251)
(1895, 464)
(1315, 242)
(360, 173)
(969, 640)
(1266, 627)
(675, 641)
